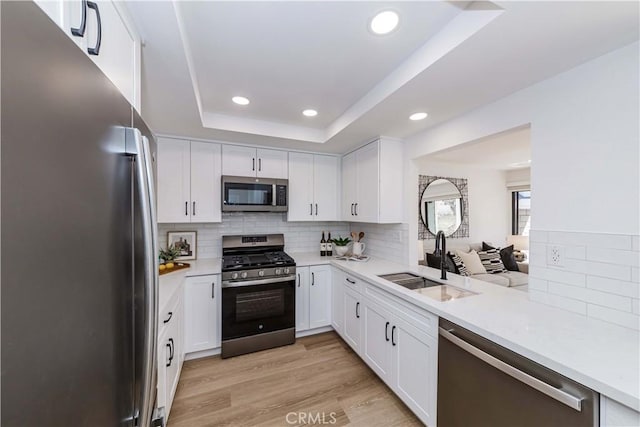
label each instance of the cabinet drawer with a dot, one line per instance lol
(352, 283)
(418, 317)
(168, 316)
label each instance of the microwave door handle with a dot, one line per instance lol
(273, 195)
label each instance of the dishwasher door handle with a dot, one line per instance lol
(557, 394)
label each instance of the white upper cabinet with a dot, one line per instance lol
(246, 161)
(372, 178)
(313, 187)
(188, 181)
(103, 30)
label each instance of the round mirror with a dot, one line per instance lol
(441, 207)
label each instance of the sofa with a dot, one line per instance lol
(514, 279)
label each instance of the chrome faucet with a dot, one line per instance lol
(442, 253)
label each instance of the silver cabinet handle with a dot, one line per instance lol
(253, 167)
(356, 209)
(358, 311)
(298, 279)
(213, 290)
(351, 208)
(316, 209)
(186, 208)
(193, 211)
(313, 279)
(559, 395)
(144, 177)
(260, 164)
(310, 208)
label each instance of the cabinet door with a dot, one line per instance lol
(206, 172)
(320, 296)
(349, 186)
(71, 15)
(337, 301)
(174, 180)
(118, 48)
(368, 183)
(300, 187)
(302, 298)
(201, 316)
(377, 350)
(325, 188)
(272, 164)
(238, 160)
(54, 8)
(415, 370)
(352, 314)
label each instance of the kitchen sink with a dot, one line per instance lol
(409, 280)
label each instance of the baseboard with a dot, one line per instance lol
(216, 351)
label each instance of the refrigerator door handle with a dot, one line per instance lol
(144, 177)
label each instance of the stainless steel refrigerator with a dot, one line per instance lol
(79, 256)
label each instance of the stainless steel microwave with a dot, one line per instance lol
(249, 194)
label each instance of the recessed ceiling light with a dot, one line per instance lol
(384, 22)
(310, 113)
(240, 100)
(418, 116)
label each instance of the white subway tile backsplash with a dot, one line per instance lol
(614, 256)
(538, 284)
(557, 275)
(385, 241)
(564, 303)
(616, 302)
(618, 287)
(601, 240)
(628, 320)
(597, 275)
(298, 236)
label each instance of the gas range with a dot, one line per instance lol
(250, 258)
(258, 294)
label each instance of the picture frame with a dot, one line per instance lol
(186, 241)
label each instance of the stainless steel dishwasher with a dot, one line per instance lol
(483, 384)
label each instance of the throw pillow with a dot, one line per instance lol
(459, 264)
(506, 255)
(472, 262)
(433, 261)
(491, 261)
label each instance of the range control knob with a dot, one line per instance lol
(261, 273)
(278, 271)
(286, 270)
(234, 276)
(243, 274)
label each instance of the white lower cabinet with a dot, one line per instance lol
(352, 323)
(202, 308)
(614, 414)
(170, 353)
(313, 297)
(396, 340)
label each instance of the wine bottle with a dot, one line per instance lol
(323, 246)
(329, 246)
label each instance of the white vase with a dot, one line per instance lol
(340, 250)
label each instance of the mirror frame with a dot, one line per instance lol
(461, 184)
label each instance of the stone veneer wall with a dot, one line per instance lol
(597, 275)
(298, 236)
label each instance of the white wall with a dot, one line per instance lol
(585, 134)
(517, 177)
(488, 200)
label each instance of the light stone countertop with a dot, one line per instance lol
(600, 355)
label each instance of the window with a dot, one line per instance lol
(520, 212)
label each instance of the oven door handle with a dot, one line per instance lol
(232, 284)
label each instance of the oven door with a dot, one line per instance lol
(256, 309)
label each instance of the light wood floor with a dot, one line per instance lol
(317, 375)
